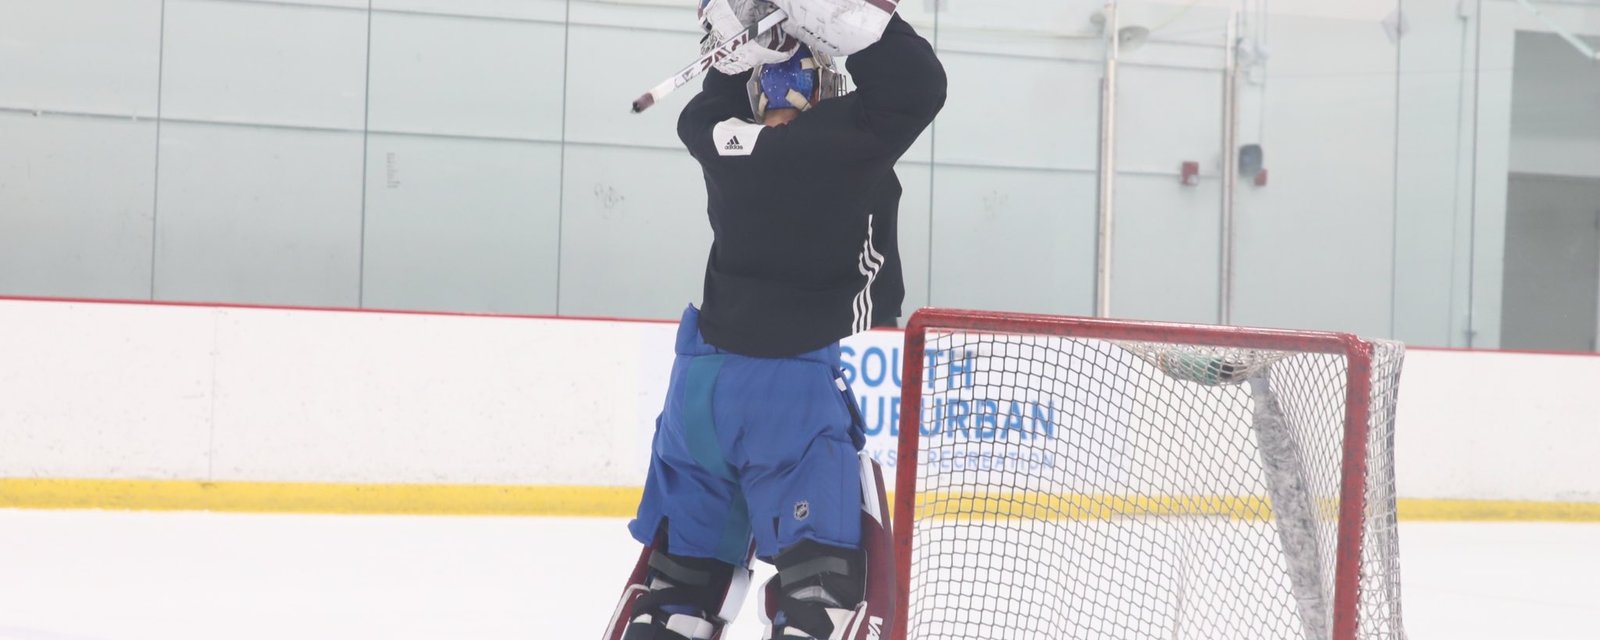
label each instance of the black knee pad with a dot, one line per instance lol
(679, 585)
(674, 597)
(830, 592)
(814, 578)
(696, 582)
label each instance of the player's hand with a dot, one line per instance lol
(835, 27)
(723, 19)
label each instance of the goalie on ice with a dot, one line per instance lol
(757, 452)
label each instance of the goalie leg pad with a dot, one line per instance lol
(817, 591)
(829, 593)
(672, 597)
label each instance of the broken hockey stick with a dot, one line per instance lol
(706, 61)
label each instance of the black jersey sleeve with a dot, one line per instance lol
(900, 86)
(721, 97)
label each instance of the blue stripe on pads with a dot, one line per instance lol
(700, 434)
(699, 428)
(734, 546)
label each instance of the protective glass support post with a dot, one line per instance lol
(1230, 168)
(1108, 166)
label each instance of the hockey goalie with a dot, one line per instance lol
(756, 454)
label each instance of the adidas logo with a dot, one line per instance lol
(733, 145)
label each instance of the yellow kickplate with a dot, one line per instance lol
(309, 497)
(1498, 511)
(620, 502)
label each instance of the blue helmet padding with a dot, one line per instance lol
(797, 74)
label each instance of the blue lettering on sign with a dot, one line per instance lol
(874, 373)
(989, 419)
(1048, 421)
(885, 457)
(957, 372)
(1013, 459)
(878, 411)
(873, 368)
(959, 410)
(872, 355)
(847, 366)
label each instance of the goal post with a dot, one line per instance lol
(1064, 477)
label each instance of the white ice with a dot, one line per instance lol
(87, 575)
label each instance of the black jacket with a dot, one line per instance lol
(804, 214)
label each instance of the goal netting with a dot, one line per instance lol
(1082, 478)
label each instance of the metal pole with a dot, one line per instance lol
(1230, 167)
(1108, 165)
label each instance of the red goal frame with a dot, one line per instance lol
(1352, 482)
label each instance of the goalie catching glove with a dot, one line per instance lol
(828, 27)
(837, 27)
(724, 19)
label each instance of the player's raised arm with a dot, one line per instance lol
(721, 97)
(900, 85)
(725, 93)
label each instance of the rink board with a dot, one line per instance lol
(140, 406)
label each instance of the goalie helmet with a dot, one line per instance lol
(800, 82)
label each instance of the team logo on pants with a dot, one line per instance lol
(802, 509)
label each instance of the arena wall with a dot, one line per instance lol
(120, 405)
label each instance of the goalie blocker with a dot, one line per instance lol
(820, 592)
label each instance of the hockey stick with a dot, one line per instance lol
(706, 61)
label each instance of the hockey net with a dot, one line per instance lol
(1080, 478)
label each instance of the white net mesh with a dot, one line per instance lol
(1088, 488)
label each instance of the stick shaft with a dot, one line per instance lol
(682, 77)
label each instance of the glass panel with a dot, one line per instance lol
(77, 146)
(1172, 65)
(1015, 151)
(1433, 177)
(58, 238)
(1012, 239)
(56, 60)
(259, 215)
(602, 80)
(1315, 245)
(227, 62)
(463, 174)
(1552, 256)
(466, 76)
(634, 234)
(1552, 269)
(915, 231)
(476, 155)
(457, 224)
(916, 174)
(260, 183)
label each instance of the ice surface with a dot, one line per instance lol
(84, 575)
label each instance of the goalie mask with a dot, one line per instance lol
(803, 80)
